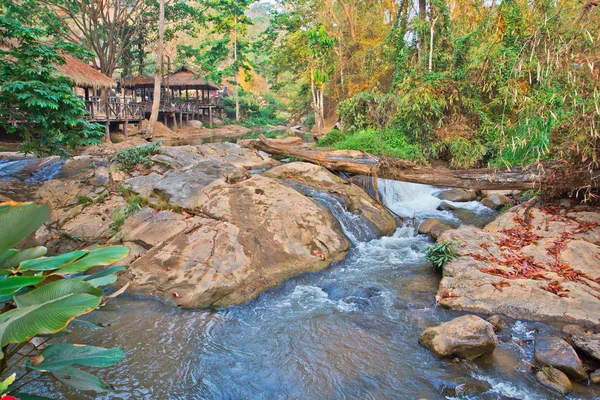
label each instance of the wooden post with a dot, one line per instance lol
(210, 116)
(181, 119)
(125, 127)
(165, 118)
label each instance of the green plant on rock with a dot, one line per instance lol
(41, 297)
(441, 253)
(134, 157)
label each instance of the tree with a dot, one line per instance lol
(158, 71)
(227, 51)
(36, 101)
(319, 49)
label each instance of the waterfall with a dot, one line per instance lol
(407, 199)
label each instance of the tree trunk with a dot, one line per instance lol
(421, 42)
(433, 21)
(236, 72)
(157, 73)
(533, 176)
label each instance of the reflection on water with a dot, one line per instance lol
(347, 332)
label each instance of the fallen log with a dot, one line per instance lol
(534, 176)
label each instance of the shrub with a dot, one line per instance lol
(139, 156)
(44, 295)
(367, 110)
(441, 253)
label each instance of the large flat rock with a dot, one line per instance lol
(533, 263)
(258, 233)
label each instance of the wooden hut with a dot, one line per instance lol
(184, 94)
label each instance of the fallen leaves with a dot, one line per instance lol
(556, 288)
(500, 284)
(321, 255)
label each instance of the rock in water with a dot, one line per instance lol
(258, 233)
(444, 206)
(554, 379)
(465, 337)
(458, 195)
(556, 352)
(587, 343)
(496, 202)
(438, 229)
(427, 225)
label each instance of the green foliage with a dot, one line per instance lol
(42, 297)
(137, 157)
(387, 143)
(441, 253)
(367, 110)
(48, 115)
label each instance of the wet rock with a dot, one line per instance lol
(468, 388)
(427, 225)
(595, 377)
(352, 197)
(143, 185)
(458, 195)
(585, 341)
(497, 321)
(556, 352)
(259, 233)
(444, 206)
(555, 380)
(182, 188)
(508, 193)
(465, 337)
(496, 202)
(95, 222)
(177, 157)
(438, 229)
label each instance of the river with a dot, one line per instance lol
(349, 332)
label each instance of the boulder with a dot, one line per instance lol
(497, 321)
(586, 342)
(94, 224)
(466, 388)
(182, 187)
(467, 337)
(426, 226)
(496, 202)
(376, 219)
(458, 195)
(445, 206)
(556, 352)
(595, 377)
(195, 124)
(438, 229)
(258, 233)
(555, 380)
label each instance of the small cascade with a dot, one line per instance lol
(356, 228)
(47, 172)
(10, 168)
(406, 199)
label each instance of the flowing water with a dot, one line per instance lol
(349, 332)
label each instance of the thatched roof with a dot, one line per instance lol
(83, 75)
(80, 73)
(185, 78)
(139, 81)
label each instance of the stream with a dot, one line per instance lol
(348, 332)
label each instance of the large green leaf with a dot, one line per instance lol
(55, 290)
(103, 273)
(50, 263)
(103, 255)
(103, 281)
(63, 355)
(21, 324)
(7, 254)
(19, 220)
(12, 284)
(80, 380)
(24, 255)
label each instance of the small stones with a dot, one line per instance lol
(433, 227)
(465, 337)
(497, 321)
(445, 206)
(469, 388)
(554, 379)
(556, 352)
